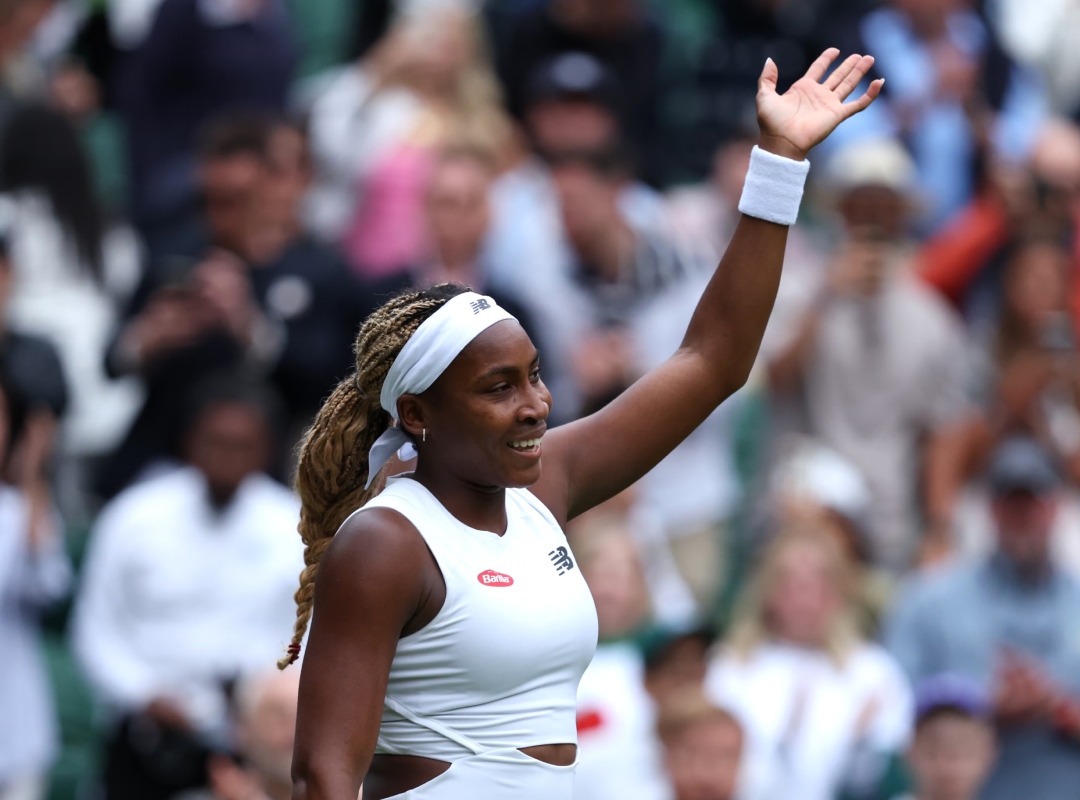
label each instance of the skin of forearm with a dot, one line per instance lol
(729, 322)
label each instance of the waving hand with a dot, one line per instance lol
(793, 122)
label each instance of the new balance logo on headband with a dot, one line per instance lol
(561, 559)
(479, 305)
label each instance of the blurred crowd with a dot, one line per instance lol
(858, 580)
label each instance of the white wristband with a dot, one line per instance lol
(774, 187)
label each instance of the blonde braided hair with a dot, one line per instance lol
(333, 463)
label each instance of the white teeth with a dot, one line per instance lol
(527, 443)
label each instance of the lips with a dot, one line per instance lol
(528, 445)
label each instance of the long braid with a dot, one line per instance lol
(333, 464)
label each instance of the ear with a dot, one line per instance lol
(412, 416)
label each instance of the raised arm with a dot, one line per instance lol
(592, 459)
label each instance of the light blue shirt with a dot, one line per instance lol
(942, 142)
(960, 619)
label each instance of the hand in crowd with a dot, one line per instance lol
(170, 321)
(1022, 382)
(230, 781)
(859, 268)
(868, 715)
(603, 362)
(1025, 694)
(1066, 716)
(31, 453)
(221, 281)
(75, 92)
(957, 73)
(1023, 691)
(28, 470)
(936, 545)
(168, 713)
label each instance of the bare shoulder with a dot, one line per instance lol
(377, 559)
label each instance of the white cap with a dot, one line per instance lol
(814, 471)
(872, 162)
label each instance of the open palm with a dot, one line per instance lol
(811, 109)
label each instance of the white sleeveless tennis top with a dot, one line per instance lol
(499, 665)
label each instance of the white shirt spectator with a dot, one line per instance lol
(56, 297)
(621, 757)
(28, 581)
(883, 372)
(178, 597)
(801, 714)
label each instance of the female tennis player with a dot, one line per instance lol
(451, 625)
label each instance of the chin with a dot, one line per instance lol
(524, 478)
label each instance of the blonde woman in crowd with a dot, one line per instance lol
(822, 708)
(377, 128)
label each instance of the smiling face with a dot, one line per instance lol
(485, 415)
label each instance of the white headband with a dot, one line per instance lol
(427, 354)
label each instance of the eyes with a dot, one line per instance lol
(503, 387)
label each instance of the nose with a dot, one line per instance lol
(536, 404)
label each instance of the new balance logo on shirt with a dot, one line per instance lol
(560, 558)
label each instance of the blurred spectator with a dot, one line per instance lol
(1010, 626)
(251, 290)
(1031, 375)
(1043, 35)
(302, 285)
(201, 58)
(428, 84)
(869, 362)
(458, 215)
(791, 32)
(953, 96)
(814, 485)
(617, 33)
(822, 708)
(706, 214)
(188, 584)
(570, 115)
(32, 363)
(20, 76)
(702, 748)
(34, 572)
(72, 273)
(613, 270)
(1027, 383)
(1019, 202)
(675, 662)
(953, 748)
(619, 755)
(259, 764)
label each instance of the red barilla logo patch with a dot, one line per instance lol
(490, 577)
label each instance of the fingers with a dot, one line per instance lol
(855, 106)
(821, 65)
(769, 76)
(854, 76)
(842, 71)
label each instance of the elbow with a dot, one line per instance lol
(313, 780)
(735, 379)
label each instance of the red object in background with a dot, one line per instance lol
(589, 720)
(1066, 715)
